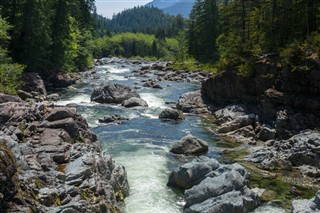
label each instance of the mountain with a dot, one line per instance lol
(173, 7)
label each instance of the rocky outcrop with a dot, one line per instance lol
(192, 102)
(299, 150)
(190, 145)
(51, 162)
(214, 187)
(113, 93)
(307, 206)
(134, 102)
(286, 101)
(171, 114)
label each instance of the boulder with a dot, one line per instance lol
(134, 102)
(113, 93)
(192, 102)
(33, 83)
(8, 98)
(171, 114)
(307, 206)
(266, 134)
(113, 118)
(214, 187)
(24, 95)
(190, 145)
(62, 80)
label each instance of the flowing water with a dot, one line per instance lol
(142, 143)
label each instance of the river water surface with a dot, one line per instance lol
(142, 143)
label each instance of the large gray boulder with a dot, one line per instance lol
(171, 114)
(134, 102)
(190, 145)
(214, 187)
(113, 93)
(33, 83)
(192, 102)
(307, 206)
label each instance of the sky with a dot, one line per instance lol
(108, 7)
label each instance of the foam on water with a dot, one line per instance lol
(112, 69)
(153, 101)
(147, 175)
(81, 99)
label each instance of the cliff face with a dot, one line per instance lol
(281, 98)
(51, 162)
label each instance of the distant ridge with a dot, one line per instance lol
(173, 7)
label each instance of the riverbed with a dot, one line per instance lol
(142, 143)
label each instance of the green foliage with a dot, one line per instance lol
(50, 36)
(301, 56)
(136, 45)
(10, 73)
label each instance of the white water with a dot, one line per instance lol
(147, 174)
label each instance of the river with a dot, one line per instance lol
(142, 143)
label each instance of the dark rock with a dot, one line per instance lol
(24, 95)
(33, 83)
(8, 98)
(113, 118)
(112, 93)
(266, 134)
(157, 86)
(171, 114)
(134, 102)
(190, 145)
(61, 113)
(62, 80)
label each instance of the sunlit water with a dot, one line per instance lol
(142, 144)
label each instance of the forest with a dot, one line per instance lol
(48, 37)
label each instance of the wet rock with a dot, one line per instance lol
(134, 102)
(112, 93)
(157, 86)
(266, 134)
(190, 145)
(171, 114)
(62, 80)
(214, 187)
(192, 102)
(113, 118)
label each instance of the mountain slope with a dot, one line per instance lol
(173, 7)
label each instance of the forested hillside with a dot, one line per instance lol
(233, 34)
(146, 20)
(49, 36)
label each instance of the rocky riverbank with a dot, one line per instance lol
(52, 162)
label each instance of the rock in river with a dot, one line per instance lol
(134, 102)
(214, 187)
(113, 93)
(171, 114)
(190, 145)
